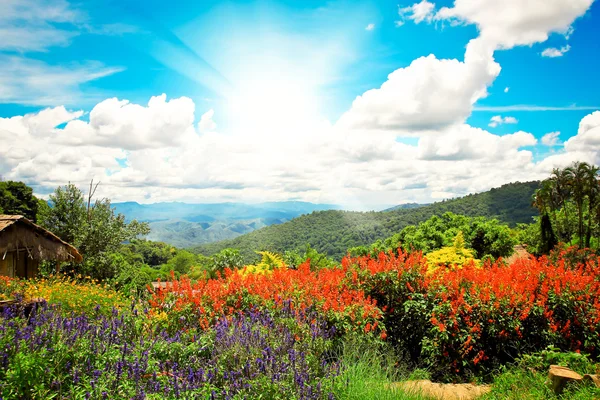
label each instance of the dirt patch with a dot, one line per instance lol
(443, 391)
(520, 252)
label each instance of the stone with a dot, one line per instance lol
(592, 378)
(443, 391)
(560, 376)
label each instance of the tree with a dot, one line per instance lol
(593, 195)
(577, 174)
(226, 258)
(96, 233)
(66, 216)
(16, 198)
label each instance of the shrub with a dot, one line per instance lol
(275, 355)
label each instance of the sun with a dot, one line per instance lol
(268, 106)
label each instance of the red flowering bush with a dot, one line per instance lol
(485, 317)
(327, 290)
(454, 321)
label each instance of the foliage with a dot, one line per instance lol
(16, 198)
(95, 231)
(527, 377)
(226, 258)
(369, 371)
(79, 296)
(276, 355)
(141, 251)
(471, 320)
(317, 260)
(569, 203)
(268, 262)
(334, 232)
(488, 238)
(454, 256)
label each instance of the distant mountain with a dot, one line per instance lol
(187, 225)
(333, 232)
(406, 206)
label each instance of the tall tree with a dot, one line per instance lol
(593, 195)
(97, 232)
(561, 192)
(578, 174)
(16, 198)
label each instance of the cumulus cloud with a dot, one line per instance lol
(206, 123)
(512, 23)
(418, 12)
(166, 158)
(370, 27)
(465, 142)
(499, 120)
(121, 124)
(553, 52)
(428, 94)
(551, 139)
(506, 89)
(588, 136)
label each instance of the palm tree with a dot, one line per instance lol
(593, 195)
(577, 174)
(560, 181)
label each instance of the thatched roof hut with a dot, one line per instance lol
(24, 244)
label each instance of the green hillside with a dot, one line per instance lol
(333, 232)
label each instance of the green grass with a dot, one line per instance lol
(533, 385)
(370, 369)
(369, 372)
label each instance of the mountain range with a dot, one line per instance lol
(187, 225)
(334, 231)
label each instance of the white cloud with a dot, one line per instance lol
(428, 94)
(588, 136)
(370, 27)
(464, 142)
(28, 25)
(418, 12)
(33, 82)
(166, 159)
(120, 124)
(512, 23)
(206, 123)
(506, 89)
(553, 52)
(551, 139)
(499, 120)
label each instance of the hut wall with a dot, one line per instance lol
(19, 236)
(21, 266)
(7, 265)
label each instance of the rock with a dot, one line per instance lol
(443, 391)
(594, 379)
(560, 376)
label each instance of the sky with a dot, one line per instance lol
(365, 104)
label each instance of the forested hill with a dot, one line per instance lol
(333, 232)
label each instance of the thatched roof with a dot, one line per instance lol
(19, 233)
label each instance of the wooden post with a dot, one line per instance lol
(58, 267)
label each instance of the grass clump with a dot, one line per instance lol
(370, 371)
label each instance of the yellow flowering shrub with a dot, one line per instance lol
(77, 296)
(9, 286)
(452, 257)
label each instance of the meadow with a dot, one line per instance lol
(345, 332)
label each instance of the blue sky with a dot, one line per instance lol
(276, 85)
